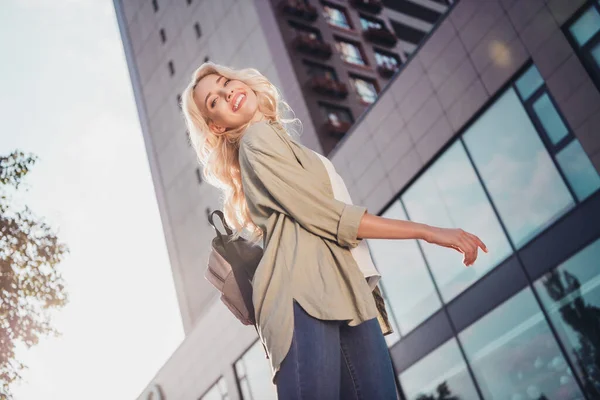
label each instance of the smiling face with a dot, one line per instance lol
(227, 104)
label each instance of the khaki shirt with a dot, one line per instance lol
(307, 239)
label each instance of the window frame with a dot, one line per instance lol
(323, 104)
(344, 12)
(299, 28)
(544, 252)
(552, 149)
(388, 54)
(358, 46)
(373, 20)
(216, 384)
(591, 66)
(308, 64)
(372, 81)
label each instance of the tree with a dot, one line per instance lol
(443, 392)
(30, 284)
(584, 320)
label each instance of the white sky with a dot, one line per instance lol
(66, 96)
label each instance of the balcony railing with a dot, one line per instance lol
(312, 46)
(371, 6)
(381, 36)
(327, 86)
(387, 70)
(300, 9)
(337, 129)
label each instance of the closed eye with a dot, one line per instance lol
(214, 102)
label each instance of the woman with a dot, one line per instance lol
(315, 311)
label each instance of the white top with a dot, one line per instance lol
(361, 253)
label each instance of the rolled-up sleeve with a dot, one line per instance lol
(273, 178)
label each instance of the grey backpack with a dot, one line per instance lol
(231, 267)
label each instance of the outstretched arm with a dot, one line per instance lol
(374, 227)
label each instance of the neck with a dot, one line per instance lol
(258, 116)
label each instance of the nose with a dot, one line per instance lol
(227, 94)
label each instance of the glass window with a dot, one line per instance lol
(571, 294)
(386, 60)
(410, 291)
(350, 52)
(335, 115)
(217, 392)
(529, 82)
(366, 89)
(369, 23)
(302, 30)
(320, 70)
(449, 194)
(514, 355)
(518, 172)
(552, 122)
(596, 54)
(335, 16)
(578, 169)
(585, 34)
(442, 374)
(254, 375)
(586, 26)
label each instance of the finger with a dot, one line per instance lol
(469, 247)
(474, 247)
(465, 247)
(478, 242)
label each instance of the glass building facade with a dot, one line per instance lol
(518, 178)
(218, 391)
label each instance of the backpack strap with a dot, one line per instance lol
(221, 216)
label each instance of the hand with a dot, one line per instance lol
(459, 240)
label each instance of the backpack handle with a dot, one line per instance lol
(221, 216)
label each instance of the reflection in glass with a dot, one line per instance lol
(529, 82)
(217, 392)
(369, 23)
(365, 89)
(335, 16)
(586, 26)
(386, 60)
(450, 195)
(441, 375)
(578, 169)
(552, 122)
(596, 54)
(407, 283)
(571, 294)
(514, 355)
(520, 176)
(319, 70)
(254, 375)
(350, 52)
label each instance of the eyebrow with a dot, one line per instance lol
(209, 93)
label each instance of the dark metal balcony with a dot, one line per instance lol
(387, 70)
(299, 9)
(371, 6)
(327, 86)
(337, 129)
(380, 36)
(312, 46)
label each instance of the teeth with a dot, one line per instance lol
(237, 103)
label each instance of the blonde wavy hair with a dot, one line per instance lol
(218, 154)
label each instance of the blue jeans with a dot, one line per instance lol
(329, 360)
